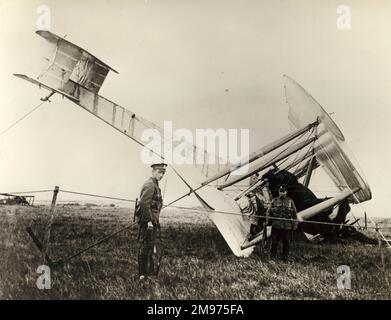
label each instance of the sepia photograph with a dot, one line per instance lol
(181, 150)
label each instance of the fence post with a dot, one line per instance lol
(135, 209)
(54, 199)
(365, 217)
(49, 225)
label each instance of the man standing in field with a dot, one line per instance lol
(284, 210)
(147, 215)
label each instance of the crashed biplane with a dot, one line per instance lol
(316, 142)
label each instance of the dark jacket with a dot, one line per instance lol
(150, 202)
(283, 208)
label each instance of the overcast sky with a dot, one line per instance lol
(201, 64)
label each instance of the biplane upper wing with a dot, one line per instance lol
(70, 62)
(330, 147)
(78, 75)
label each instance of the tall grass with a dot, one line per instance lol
(197, 264)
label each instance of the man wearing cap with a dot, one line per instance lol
(147, 215)
(284, 210)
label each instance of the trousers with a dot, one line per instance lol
(146, 251)
(277, 236)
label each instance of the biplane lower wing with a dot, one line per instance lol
(122, 119)
(40, 84)
(227, 217)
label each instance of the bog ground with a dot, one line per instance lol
(197, 264)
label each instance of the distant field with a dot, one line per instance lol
(197, 263)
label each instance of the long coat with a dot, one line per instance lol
(150, 202)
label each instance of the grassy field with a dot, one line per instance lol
(197, 263)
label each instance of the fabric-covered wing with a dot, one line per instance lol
(70, 62)
(234, 227)
(330, 148)
(78, 75)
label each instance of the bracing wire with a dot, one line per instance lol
(20, 119)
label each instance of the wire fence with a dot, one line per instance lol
(197, 209)
(44, 247)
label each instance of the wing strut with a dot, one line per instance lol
(307, 214)
(261, 183)
(310, 168)
(262, 152)
(270, 161)
(312, 211)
